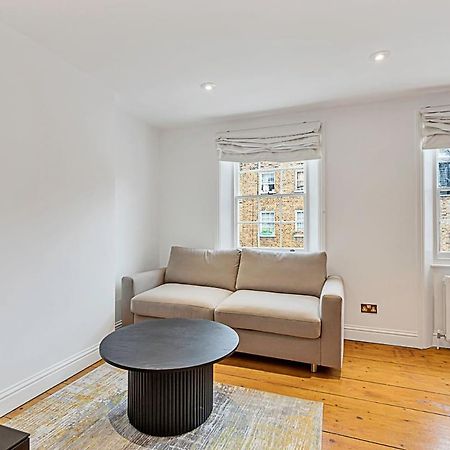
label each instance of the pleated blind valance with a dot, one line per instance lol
(435, 127)
(297, 142)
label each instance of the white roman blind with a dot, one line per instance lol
(435, 127)
(285, 143)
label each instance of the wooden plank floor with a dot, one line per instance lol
(385, 396)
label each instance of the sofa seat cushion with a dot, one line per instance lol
(172, 300)
(270, 312)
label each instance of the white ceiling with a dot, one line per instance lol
(262, 54)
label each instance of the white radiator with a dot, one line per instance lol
(446, 305)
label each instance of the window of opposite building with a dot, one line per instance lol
(299, 221)
(267, 182)
(299, 180)
(266, 224)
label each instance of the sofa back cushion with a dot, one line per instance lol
(215, 268)
(290, 273)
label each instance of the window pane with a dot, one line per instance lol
(248, 166)
(248, 183)
(444, 201)
(273, 240)
(444, 237)
(268, 203)
(444, 174)
(269, 165)
(248, 210)
(443, 179)
(293, 165)
(444, 221)
(290, 237)
(289, 205)
(293, 180)
(248, 235)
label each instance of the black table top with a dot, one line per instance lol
(168, 344)
(10, 438)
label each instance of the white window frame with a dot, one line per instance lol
(297, 228)
(314, 211)
(439, 255)
(296, 187)
(261, 183)
(262, 223)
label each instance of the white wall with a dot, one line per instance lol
(136, 213)
(372, 196)
(60, 135)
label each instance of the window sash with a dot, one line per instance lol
(439, 190)
(276, 225)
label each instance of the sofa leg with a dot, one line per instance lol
(313, 368)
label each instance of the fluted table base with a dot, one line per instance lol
(169, 403)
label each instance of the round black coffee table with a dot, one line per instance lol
(170, 370)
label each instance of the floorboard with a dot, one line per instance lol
(385, 396)
(360, 419)
(331, 441)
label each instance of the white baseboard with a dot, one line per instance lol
(25, 390)
(381, 336)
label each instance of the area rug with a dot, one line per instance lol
(91, 414)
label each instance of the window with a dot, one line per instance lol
(276, 220)
(286, 219)
(299, 180)
(443, 201)
(267, 224)
(299, 220)
(267, 182)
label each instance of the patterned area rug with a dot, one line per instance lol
(91, 414)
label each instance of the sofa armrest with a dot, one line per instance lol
(135, 284)
(332, 316)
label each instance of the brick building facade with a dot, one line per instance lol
(445, 222)
(271, 205)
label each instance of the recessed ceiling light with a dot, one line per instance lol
(208, 86)
(380, 56)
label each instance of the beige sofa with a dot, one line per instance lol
(281, 304)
